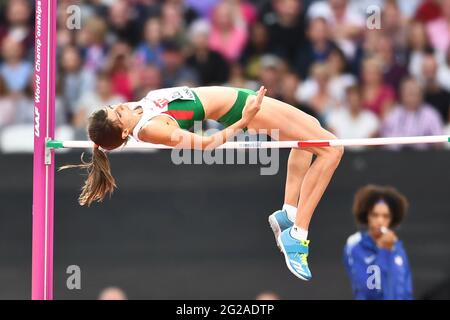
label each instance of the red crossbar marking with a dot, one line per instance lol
(181, 114)
(306, 144)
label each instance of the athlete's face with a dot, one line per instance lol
(379, 216)
(123, 116)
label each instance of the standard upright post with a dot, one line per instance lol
(43, 167)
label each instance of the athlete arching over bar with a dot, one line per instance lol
(160, 118)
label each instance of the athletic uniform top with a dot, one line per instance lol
(184, 106)
(179, 103)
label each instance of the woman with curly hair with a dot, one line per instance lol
(376, 260)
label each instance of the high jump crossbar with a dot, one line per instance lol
(74, 144)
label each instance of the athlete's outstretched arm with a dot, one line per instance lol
(160, 132)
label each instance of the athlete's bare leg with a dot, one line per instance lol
(294, 124)
(298, 164)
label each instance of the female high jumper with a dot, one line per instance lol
(163, 116)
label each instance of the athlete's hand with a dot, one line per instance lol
(387, 240)
(253, 105)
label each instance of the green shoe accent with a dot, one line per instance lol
(55, 144)
(303, 256)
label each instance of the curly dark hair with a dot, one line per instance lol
(366, 198)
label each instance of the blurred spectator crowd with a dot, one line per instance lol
(323, 57)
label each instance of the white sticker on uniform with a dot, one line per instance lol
(398, 261)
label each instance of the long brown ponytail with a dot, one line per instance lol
(99, 181)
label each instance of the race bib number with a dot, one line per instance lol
(165, 96)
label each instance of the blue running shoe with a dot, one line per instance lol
(296, 254)
(279, 222)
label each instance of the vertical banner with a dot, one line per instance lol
(43, 161)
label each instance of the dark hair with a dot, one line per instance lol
(366, 198)
(341, 55)
(99, 182)
(354, 88)
(4, 90)
(172, 46)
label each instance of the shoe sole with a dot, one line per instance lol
(276, 229)
(286, 259)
